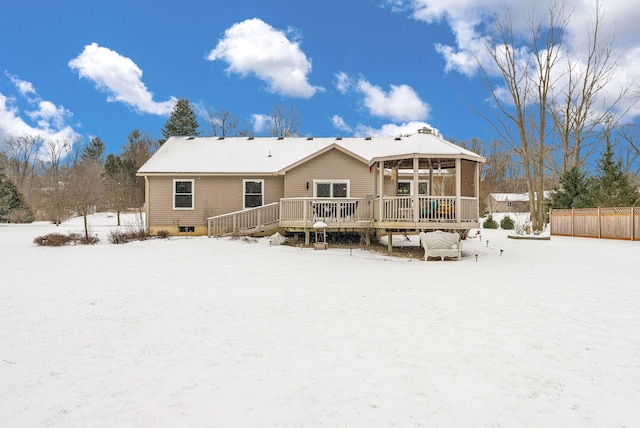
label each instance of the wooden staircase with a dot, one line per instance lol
(258, 221)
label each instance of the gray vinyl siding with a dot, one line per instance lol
(212, 196)
(332, 165)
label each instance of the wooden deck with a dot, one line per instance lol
(401, 213)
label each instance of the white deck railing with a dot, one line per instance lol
(336, 212)
(347, 213)
(430, 209)
(245, 220)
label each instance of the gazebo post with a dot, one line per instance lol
(380, 189)
(416, 189)
(458, 190)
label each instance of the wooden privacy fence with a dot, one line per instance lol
(610, 223)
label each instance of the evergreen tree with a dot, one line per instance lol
(612, 187)
(120, 180)
(13, 207)
(182, 121)
(94, 151)
(574, 190)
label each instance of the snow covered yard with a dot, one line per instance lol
(213, 332)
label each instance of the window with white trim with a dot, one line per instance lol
(331, 188)
(253, 193)
(405, 188)
(183, 194)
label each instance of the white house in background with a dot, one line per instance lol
(218, 185)
(510, 202)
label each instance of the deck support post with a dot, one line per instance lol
(306, 237)
(390, 242)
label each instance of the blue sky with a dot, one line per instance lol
(74, 69)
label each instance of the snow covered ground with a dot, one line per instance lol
(205, 332)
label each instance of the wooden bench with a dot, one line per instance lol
(441, 244)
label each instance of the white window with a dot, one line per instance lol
(253, 193)
(405, 188)
(183, 194)
(331, 188)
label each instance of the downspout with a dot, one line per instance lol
(477, 191)
(146, 203)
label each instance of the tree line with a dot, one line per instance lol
(53, 180)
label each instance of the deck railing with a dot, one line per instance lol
(348, 213)
(335, 212)
(244, 221)
(430, 209)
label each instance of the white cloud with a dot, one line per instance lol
(339, 123)
(25, 88)
(47, 121)
(254, 47)
(343, 82)
(393, 130)
(401, 103)
(261, 122)
(120, 77)
(50, 122)
(471, 23)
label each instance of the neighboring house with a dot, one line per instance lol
(216, 185)
(510, 202)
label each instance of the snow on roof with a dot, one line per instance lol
(515, 197)
(270, 155)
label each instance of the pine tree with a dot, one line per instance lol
(94, 151)
(574, 190)
(13, 207)
(612, 187)
(182, 121)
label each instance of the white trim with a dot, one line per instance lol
(193, 193)
(331, 182)
(244, 191)
(411, 187)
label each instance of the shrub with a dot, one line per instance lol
(20, 215)
(58, 239)
(163, 234)
(507, 223)
(54, 240)
(120, 237)
(490, 223)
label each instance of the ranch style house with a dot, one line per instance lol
(256, 186)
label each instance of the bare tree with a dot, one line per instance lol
(54, 173)
(527, 79)
(222, 122)
(579, 106)
(22, 153)
(85, 190)
(284, 124)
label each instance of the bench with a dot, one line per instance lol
(441, 244)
